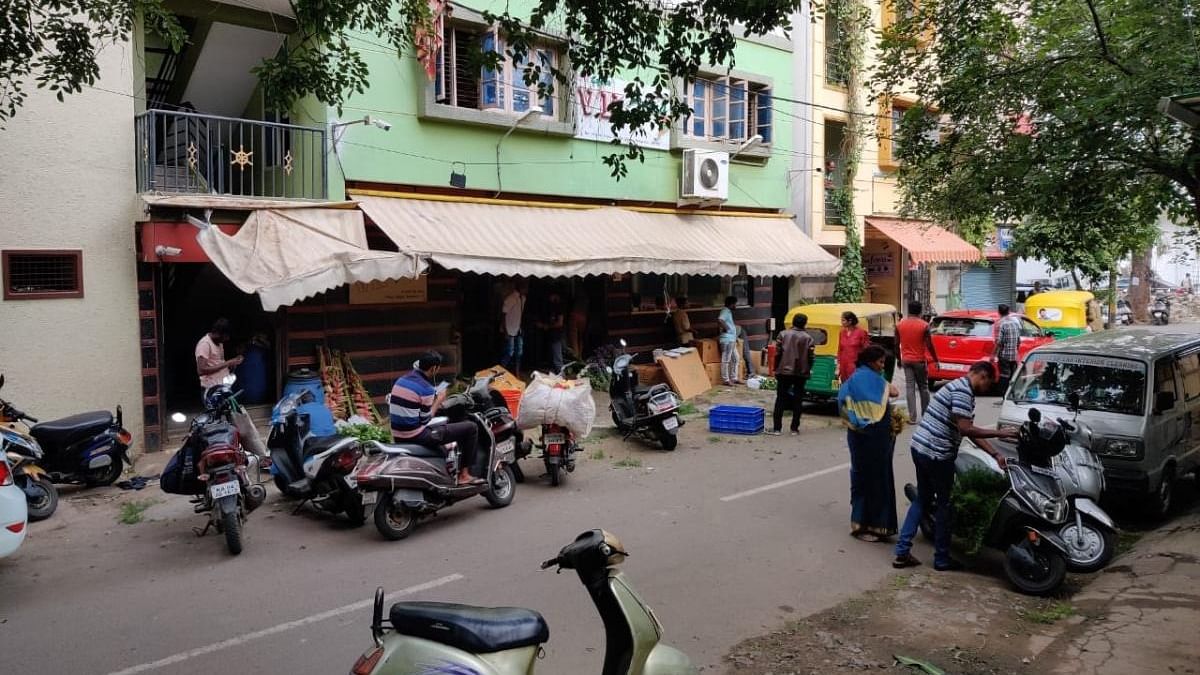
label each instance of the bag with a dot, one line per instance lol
(549, 399)
(251, 440)
(179, 475)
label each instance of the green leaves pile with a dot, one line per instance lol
(366, 432)
(977, 494)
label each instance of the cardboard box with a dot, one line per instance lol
(713, 370)
(757, 357)
(649, 375)
(710, 350)
(685, 373)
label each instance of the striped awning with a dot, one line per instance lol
(926, 242)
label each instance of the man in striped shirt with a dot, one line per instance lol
(414, 401)
(951, 416)
(1008, 345)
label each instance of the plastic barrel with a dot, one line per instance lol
(252, 376)
(304, 379)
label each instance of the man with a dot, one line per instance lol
(211, 364)
(414, 401)
(728, 342)
(514, 340)
(951, 416)
(554, 325)
(683, 323)
(916, 349)
(1037, 288)
(1187, 284)
(793, 365)
(1008, 342)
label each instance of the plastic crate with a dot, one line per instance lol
(736, 419)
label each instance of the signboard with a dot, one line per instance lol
(879, 264)
(592, 97)
(999, 243)
(391, 291)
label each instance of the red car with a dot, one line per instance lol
(965, 336)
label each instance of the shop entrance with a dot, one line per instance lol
(194, 295)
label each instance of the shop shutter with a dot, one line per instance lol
(987, 287)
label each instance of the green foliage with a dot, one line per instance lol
(977, 494)
(1049, 613)
(1046, 119)
(854, 21)
(628, 463)
(366, 432)
(134, 512)
(596, 454)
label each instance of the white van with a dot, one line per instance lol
(1139, 391)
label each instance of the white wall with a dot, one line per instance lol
(67, 182)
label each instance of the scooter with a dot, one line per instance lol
(86, 448)
(317, 469)
(407, 482)
(214, 469)
(650, 413)
(1026, 523)
(1160, 314)
(436, 637)
(23, 453)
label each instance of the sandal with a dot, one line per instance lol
(867, 537)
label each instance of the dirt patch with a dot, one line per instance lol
(956, 622)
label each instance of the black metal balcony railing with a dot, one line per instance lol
(837, 64)
(186, 152)
(833, 213)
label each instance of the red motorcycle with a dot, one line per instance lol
(558, 451)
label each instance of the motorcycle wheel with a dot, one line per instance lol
(503, 488)
(553, 470)
(669, 440)
(44, 500)
(393, 521)
(106, 476)
(1097, 550)
(232, 526)
(1053, 569)
(356, 513)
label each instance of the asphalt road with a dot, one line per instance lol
(728, 536)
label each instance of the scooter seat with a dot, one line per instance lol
(414, 450)
(479, 630)
(65, 431)
(315, 446)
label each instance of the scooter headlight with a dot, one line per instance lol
(1053, 508)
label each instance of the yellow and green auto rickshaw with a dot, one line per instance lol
(1063, 313)
(825, 325)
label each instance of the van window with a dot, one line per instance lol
(1189, 368)
(1103, 383)
(1164, 377)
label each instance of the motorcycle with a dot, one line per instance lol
(213, 467)
(87, 448)
(317, 469)
(1032, 511)
(558, 452)
(407, 482)
(651, 413)
(508, 640)
(23, 453)
(1160, 314)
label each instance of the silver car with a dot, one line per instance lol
(14, 513)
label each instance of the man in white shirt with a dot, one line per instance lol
(514, 340)
(211, 364)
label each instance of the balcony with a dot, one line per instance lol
(182, 152)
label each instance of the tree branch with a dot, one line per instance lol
(1104, 51)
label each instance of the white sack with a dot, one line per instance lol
(551, 400)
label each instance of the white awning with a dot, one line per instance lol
(505, 238)
(286, 256)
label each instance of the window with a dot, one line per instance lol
(654, 291)
(837, 55)
(729, 109)
(1030, 329)
(1106, 384)
(961, 327)
(35, 275)
(891, 121)
(1164, 378)
(835, 174)
(461, 82)
(1189, 369)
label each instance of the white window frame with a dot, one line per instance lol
(714, 107)
(510, 78)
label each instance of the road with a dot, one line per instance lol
(728, 536)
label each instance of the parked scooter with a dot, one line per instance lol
(1160, 313)
(86, 448)
(651, 413)
(23, 453)
(507, 640)
(408, 482)
(212, 466)
(1025, 525)
(317, 469)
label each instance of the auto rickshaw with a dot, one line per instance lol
(1064, 313)
(825, 325)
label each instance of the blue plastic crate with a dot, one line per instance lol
(736, 419)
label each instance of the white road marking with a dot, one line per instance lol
(250, 637)
(785, 483)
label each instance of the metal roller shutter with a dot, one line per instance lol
(987, 287)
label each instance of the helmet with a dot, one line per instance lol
(1040, 439)
(216, 396)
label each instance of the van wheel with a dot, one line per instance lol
(1160, 504)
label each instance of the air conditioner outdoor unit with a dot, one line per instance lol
(705, 176)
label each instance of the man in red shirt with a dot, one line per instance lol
(916, 348)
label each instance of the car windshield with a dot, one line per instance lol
(1103, 383)
(961, 327)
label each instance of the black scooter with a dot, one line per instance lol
(86, 448)
(651, 413)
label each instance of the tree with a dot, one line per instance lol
(854, 20)
(1044, 116)
(663, 41)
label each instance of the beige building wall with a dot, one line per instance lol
(67, 182)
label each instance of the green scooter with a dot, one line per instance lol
(424, 638)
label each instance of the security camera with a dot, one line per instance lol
(167, 251)
(382, 124)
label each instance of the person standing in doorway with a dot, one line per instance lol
(514, 339)
(793, 365)
(1008, 343)
(553, 324)
(211, 364)
(683, 323)
(728, 341)
(851, 341)
(577, 326)
(916, 349)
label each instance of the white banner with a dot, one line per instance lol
(592, 98)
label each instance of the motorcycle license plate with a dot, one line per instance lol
(956, 367)
(555, 439)
(224, 489)
(670, 423)
(507, 445)
(370, 498)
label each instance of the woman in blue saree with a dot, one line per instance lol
(863, 404)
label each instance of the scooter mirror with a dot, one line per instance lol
(624, 343)
(178, 418)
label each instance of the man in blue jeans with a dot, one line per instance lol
(951, 415)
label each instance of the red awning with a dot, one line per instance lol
(924, 241)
